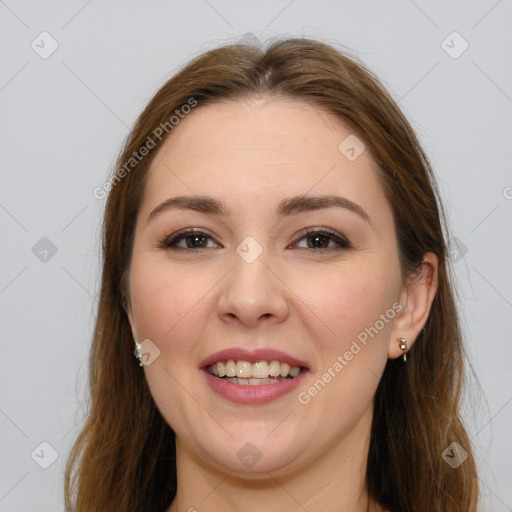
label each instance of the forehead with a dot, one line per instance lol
(282, 146)
(278, 126)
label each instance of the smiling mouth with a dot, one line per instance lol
(254, 374)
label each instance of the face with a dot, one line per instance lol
(291, 268)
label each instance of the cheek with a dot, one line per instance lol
(164, 300)
(167, 306)
(351, 342)
(348, 301)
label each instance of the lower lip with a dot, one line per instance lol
(259, 394)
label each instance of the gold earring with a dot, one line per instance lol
(403, 346)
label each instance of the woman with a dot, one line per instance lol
(274, 255)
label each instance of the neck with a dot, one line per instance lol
(334, 480)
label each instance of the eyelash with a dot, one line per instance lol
(170, 242)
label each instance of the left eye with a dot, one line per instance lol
(317, 239)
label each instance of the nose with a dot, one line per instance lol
(253, 294)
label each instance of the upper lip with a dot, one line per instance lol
(252, 356)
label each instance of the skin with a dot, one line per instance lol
(192, 303)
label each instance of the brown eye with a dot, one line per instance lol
(318, 241)
(189, 239)
(323, 241)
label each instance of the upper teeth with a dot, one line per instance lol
(258, 370)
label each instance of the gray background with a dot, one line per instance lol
(63, 119)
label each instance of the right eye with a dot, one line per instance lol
(193, 239)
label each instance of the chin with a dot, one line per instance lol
(252, 463)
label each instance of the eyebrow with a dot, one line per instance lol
(289, 206)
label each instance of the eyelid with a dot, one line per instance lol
(308, 231)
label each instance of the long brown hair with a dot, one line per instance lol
(124, 457)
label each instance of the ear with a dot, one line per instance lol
(416, 299)
(128, 309)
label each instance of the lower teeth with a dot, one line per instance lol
(255, 382)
